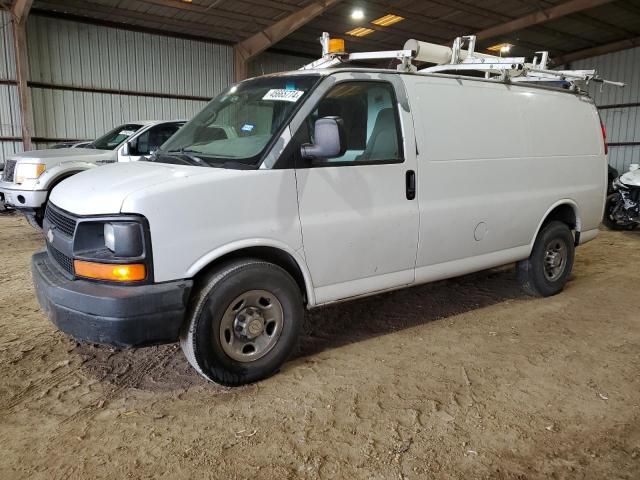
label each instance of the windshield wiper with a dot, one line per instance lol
(187, 153)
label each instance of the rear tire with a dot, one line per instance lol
(547, 269)
(243, 323)
(608, 220)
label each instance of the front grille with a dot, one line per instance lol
(66, 263)
(60, 220)
(9, 169)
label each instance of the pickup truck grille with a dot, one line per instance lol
(62, 221)
(9, 170)
(66, 263)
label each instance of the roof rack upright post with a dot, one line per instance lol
(325, 40)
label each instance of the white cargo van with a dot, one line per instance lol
(312, 187)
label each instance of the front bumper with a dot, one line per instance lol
(22, 199)
(122, 316)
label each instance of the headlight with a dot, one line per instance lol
(109, 236)
(116, 249)
(29, 171)
(124, 239)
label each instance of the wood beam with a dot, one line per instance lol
(20, 12)
(596, 51)
(542, 16)
(252, 46)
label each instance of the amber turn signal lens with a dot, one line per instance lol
(110, 271)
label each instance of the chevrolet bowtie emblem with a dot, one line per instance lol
(50, 235)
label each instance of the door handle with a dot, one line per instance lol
(410, 183)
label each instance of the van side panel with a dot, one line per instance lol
(493, 159)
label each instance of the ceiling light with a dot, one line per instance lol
(500, 47)
(357, 14)
(359, 32)
(387, 20)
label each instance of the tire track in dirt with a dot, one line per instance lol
(39, 387)
(131, 379)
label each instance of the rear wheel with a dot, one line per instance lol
(609, 219)
(243, 323)
(547, 269)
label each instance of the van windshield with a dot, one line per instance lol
(111, 140)
(236, 127)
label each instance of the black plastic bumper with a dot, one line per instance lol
(122, 316)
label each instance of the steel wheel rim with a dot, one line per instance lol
(555, 260)
(251, 325)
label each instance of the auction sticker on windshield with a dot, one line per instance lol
(283, 95)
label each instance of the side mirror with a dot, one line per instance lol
(131, 148)
(126, 149)
(330, 139)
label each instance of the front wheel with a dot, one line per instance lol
(547, 269)
(244, 322)
(609, 219)
(36, 218)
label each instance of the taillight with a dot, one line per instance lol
(604, 137)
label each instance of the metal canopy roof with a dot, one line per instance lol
(591, 30)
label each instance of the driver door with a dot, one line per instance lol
(150, 140)
(358, 213)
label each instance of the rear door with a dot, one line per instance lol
(358, 212)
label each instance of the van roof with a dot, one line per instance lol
(325, 72)
(154, 122)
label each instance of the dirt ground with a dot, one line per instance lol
(462, 379)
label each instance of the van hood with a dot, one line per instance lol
(102, 190)
(55, 156)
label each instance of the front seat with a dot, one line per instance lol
(383, 143)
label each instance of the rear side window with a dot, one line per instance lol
(369, 113)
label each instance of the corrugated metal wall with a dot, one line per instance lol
(270, 62)
(10, 124)
(85, 78)
(91, 57)
(623, 121)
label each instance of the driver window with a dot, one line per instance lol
(369, 114)
(149, 141)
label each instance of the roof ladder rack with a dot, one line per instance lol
(464, 62)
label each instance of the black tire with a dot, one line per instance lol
(35, 219)
(608, 221)
(201, 337)
(534, 274)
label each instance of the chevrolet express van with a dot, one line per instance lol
(298, 190)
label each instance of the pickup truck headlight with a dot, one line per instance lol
(29, 171)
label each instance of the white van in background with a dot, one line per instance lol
(29, 177)
(335, 184)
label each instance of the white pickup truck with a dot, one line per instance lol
(29, 177)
